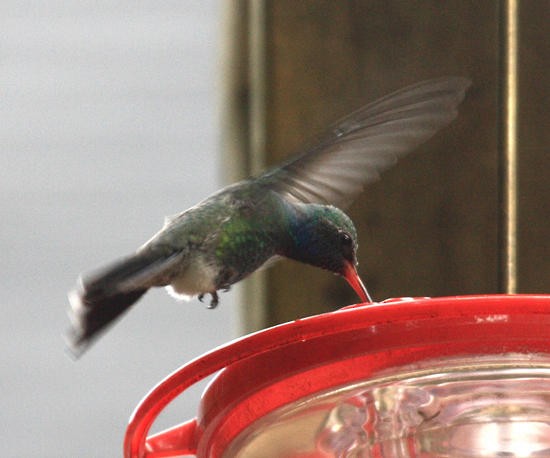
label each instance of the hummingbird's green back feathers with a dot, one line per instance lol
(288, 211)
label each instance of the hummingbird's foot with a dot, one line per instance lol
(225, 289)
(215, 300)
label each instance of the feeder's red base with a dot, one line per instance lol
(284, 364)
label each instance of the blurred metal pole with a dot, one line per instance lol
(244, 123)
(508, 146)
(258, 85)
(235, 88)
(256, 286)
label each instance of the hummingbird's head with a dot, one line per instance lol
(325, 237)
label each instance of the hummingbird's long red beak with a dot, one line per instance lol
(352, 277)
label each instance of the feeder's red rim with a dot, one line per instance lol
(183, 439)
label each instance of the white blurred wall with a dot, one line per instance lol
(108, 122)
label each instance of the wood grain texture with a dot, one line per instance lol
(430, 226)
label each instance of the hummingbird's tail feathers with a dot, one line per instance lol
(355, 150)
(103, 296)
(90, 317)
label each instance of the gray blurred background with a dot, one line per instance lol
(109, 122)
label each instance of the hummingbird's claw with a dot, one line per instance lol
(215, 300)
(225, 289)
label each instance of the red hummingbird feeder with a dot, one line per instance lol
(443, 377)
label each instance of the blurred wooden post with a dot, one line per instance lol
(430, 226)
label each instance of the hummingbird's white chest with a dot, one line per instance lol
(198, 278)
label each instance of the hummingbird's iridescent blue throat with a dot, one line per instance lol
(291, 211)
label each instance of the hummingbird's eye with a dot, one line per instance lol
(346, 244)
(345, 239)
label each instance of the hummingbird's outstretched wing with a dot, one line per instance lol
(355, 150)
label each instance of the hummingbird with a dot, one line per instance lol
(292, 211)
